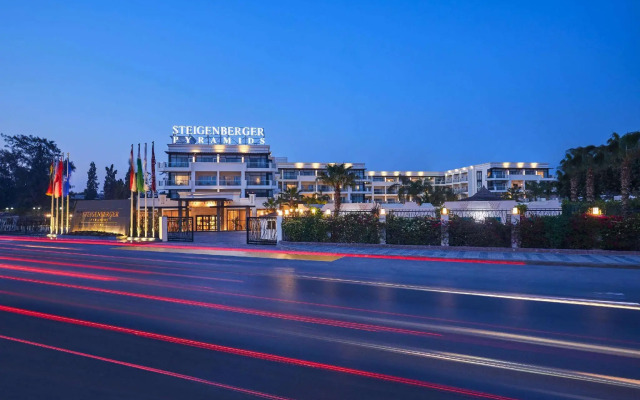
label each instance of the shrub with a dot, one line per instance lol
(489, 233)
(418, 230)
(346, 228)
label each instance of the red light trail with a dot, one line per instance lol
(125, 270)
(59, 273)
(242, 310)
(148, 369)
(255, 354)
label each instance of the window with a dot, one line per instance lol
(479, 179)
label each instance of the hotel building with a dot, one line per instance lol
(220, 179)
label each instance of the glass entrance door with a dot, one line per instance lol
(206, 223)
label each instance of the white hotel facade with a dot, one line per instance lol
(220, 179)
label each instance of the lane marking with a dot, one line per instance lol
(255, 354)
(148, 369)
(545, 299)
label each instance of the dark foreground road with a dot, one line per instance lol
(98, 321)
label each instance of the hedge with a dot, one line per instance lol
(419, 230)
(488, 233)
(347, 228)
(581, 232)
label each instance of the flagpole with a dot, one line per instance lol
(153, 188)
(131, 181)
(146, 212)
(68, 192)
(138, 204)
(52, 196)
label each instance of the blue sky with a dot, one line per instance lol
(414, 85)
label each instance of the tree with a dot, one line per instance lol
(438, 196)
(534, 190)
(109, 188)
(416, 190)
(91, 192)
(291, 197)
(24, 170)
(513, 193)
(316, 198)
(624, 151)
(338, 176)
(271, 205)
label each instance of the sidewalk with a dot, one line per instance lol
(580, 258)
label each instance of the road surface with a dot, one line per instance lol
(85, 320)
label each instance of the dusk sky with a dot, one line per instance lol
(411, 85)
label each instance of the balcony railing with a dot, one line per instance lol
(259, 164)
(206, 182)
(378, 191)
(174, 164)
(260, 182)
(497, 175)
(230, 182)
(173, 182)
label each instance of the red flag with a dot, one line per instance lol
(132, 173)
(153, 168)
(50, 188)
(57, 183)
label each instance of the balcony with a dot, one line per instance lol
(378, 191)
(174, 164)
(498, 188)
(206, 182)
(259, 164)
(173, 182)
(230, 182)
(259, 182)
(497, 175)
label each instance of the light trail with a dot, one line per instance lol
(241, 310)
(148, 369)
(544, 299)
(125, 270)
(58, 273)
(254, 354)
(493, 363)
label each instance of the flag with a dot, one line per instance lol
(139, 176)
(132, 173)
(67, 181)
(153, 168)
(57, 182)
(51, 175)
(146, 175)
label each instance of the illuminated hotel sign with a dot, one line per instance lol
(198, 134)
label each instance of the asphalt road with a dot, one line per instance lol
(99, 321)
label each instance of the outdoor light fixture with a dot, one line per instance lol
(286, 212)
(444, 211)
(596, 211)
(279, 212)
(515, 211)
(383, 211)
(328, 212)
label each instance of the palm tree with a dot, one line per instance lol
(271, 205)
(412, 189)
(513, 193)
(316, 198)
(339, 176)
(534, 190)
(438, 196)
(624, 151)
(291, 197)
(570, 168)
